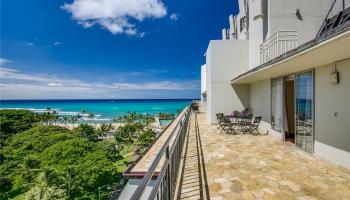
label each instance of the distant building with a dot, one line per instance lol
(204, 84)
(288, 61)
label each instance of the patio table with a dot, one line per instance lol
(241, 120)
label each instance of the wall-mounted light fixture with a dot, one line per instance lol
(298, 14)
(335, 76)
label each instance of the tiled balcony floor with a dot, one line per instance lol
(264, 167)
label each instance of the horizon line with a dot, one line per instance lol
(76, 99)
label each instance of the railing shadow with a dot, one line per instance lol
(193, 178)
(200, 149)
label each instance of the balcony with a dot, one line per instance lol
(215, 165)
(278, 44)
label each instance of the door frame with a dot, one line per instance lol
(312, 107)
(294, 75)
(284, 106)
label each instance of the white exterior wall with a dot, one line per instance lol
(260, 104)
(260, 99)
(332, 133)
(241, 35)
(203, 78)
(313, 13)
(282, 16)
(255, 32)
(224, 59)
(266, 17)
(203, 84)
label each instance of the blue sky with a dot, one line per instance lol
(107, 48)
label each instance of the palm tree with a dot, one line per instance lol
(78, 117)
(105, 128)
(65, 120)
(115, 120)
(46, 115)
(119, 139)
(41, 184)
(69, 179)
(27, 170)
(44, 187)
(91, 116)
(148, 120)
(39, 118)
(71, 120)
(54, 116)
(83, 113)
(144, 139)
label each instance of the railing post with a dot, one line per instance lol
(168, 170)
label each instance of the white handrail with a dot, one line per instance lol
(278, 44)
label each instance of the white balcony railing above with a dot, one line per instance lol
(278, 44)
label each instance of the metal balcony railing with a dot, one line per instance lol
(278, 44)
(169, 158)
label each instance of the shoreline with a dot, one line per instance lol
(156, 125)
(71, 126)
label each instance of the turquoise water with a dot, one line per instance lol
(104, 110)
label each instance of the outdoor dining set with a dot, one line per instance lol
(239, 122)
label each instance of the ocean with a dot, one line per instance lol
(104, 110)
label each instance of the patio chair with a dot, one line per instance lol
(225, 125)
(235, 113)
(253, 126)
(218, 118)
(245, 110)
(229, 126)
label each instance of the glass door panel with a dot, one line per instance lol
(277, 104)
(304, 111)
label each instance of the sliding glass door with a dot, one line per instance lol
(304, 102)
(277, 104)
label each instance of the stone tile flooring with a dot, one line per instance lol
(264, 167)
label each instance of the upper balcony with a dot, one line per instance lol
(278, 44)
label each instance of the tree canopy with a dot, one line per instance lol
(15, 121)
(85, 164)
(41, 161)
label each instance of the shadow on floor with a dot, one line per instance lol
(194, 180)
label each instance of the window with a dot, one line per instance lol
(243, 22)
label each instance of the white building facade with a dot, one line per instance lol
(204, 84)
(284, 62)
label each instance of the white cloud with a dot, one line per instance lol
(30, 44)
(162, 85)
(4, 61)
(54, 84)
(57, 43)
(16, 84)
(174, 16)
(142, 34)
(117, 16)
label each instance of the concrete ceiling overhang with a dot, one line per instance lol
(334, 49)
